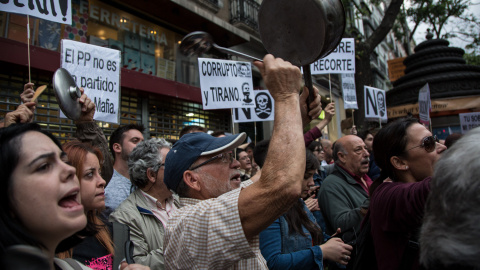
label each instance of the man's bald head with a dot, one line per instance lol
(327, 148)
(351, 153)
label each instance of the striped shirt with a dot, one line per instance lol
(208, 234)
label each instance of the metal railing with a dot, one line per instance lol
(246, 12)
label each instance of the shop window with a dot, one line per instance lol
(167, 116)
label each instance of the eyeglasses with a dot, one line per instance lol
(428, 143)
(226, 158)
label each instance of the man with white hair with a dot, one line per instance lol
(218, 225)
(147, 210)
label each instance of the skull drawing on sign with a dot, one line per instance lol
(262, 101)
(264, 106)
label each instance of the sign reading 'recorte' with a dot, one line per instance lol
(341, 60)
(225, 84)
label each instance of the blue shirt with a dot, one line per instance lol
(283, 250)
(117, 190)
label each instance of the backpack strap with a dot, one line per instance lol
(411, 251)
(74, 264)
(122, 243)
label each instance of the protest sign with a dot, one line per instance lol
(264, 110)
(97, 70)
(341, 60)
(225, 84)
(375, 103)
(424, 105)
(349, 92)
(54, 10)
(469, 121)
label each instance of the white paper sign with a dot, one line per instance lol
(375, 104)
(264, 111)
(97, 70)
(341, 60)
(225, 84)
(424, 105)
(53, 10)
(349, 91)
(469, 121)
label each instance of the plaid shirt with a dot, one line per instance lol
(208, 234)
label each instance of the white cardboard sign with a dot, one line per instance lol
(97, 70)
(341, 60)
(53, 10)
(469, 121)
(264, 110)
(349, 91)
(424, 105)
(375, 103)
(225, 84)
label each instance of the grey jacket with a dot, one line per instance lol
(146, 231)
(340, 199)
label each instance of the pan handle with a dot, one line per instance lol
(239, 54)
(307, 75)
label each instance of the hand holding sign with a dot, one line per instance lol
(314, 108)
(27, 93)
(23, 114)
(282, 79)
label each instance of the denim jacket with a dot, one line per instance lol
(282, 250)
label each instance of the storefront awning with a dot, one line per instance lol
(437, 106)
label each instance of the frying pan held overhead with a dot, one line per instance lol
(298, 31)
(301, 31)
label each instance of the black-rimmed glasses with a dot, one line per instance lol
(226, 158)
(428, 143)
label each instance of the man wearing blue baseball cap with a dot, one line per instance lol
(218, 224)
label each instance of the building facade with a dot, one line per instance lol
(159, 86)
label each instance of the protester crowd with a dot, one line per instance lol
(393, 199)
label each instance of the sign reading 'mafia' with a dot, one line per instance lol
(263, 111)
(225, 84)
(375, 103)
(97, 70)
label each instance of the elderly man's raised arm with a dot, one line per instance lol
(280, 183)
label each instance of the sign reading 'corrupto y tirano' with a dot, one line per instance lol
(225, 84)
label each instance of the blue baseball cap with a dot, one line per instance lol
(192, 146)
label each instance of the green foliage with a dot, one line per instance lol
(440, 13)
(472, 59)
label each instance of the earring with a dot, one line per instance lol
(406, 167)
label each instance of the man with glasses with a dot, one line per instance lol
(218, 225)
(147, 210)
(344, 193)
(245, 164)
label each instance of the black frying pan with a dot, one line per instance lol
(301, 31)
